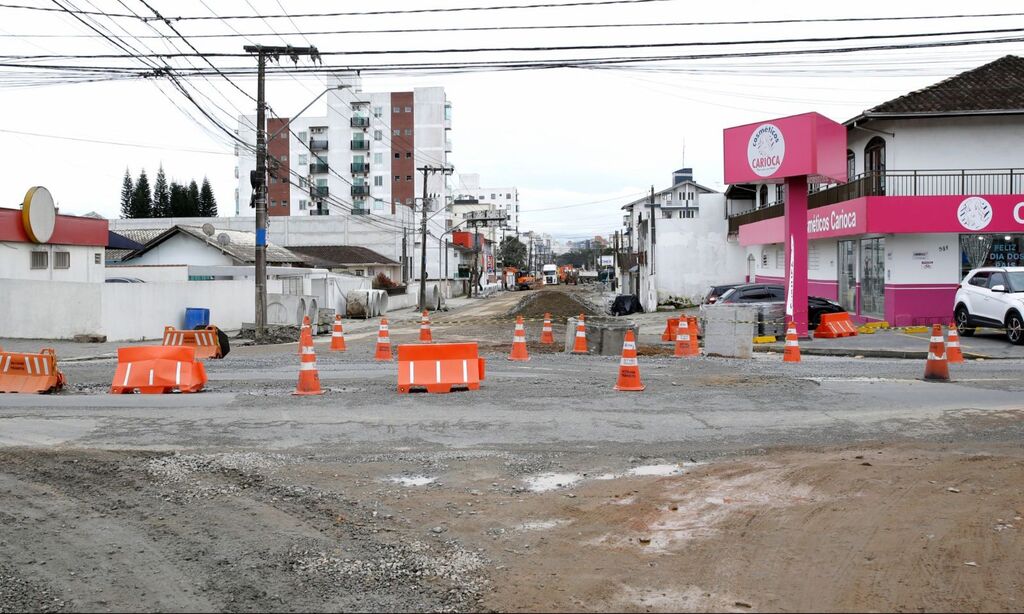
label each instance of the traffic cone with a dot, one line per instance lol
(425, 336)
(519, 352)
(309, 377)
(792, 351)
(629, 369)
(383, 342)
(580, 345)
(684, 340)
(937, 367)
(305, 333)
(547, 335)
(953, 353)
(337, 336)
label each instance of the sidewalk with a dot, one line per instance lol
(898, 344)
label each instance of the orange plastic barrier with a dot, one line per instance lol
(670, 329)
(205, 342)
(30, 373)
(834, 325)
(438, 368)
(157, 369)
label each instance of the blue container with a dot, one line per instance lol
(195, 316)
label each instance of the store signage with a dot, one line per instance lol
(766, 150)
(1018, 213)
(835, 220)
(975, 213)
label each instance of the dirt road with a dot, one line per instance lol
(835, 484)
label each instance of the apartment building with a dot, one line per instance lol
(504, 199)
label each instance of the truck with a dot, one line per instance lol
(550, 272)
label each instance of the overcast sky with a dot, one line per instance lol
(577, 143)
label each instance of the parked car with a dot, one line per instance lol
(991, 296)
(124, 280)
(715, 292)
(775, 294)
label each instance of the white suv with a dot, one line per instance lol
(992, 296)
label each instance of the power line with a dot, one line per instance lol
(117, 143)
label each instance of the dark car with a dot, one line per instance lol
(715, 292)
(769, 293)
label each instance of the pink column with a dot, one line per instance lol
(796, 250)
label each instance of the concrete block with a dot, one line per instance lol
(604, 337)
(729, 331)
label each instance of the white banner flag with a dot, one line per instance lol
(792, 270)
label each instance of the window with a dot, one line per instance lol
(851, 165)
(408, 177)
(378, 204)
(509, 195)
(284, 158)
(97, 258)
(303, 159)
(398, 156)
(378, 158)
(688, 214)
(396, 109)
(780, 192)
(398, 178)
(980, 280)
(40, 260)
(408, 109)
(763, 193)
(378, 180)
(764, 258)
(284, 203)
(377, 135)
(303, 205)
(398, 133)
(303, 136)
(874, 166)
(378, 111)
(780, 257)
(997, 279)
(284, 135)
(408, 154)
(61, 260)
(273, 203)
(492, 196)
(408, 132)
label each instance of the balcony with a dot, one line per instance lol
(318, 169)
(961, 182)
(319, 191)
(360, 190)
(360, 167)
(361, 145)
(360, 122)
(318, 144)
(319, 211)
(360, 211)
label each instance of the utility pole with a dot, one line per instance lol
(258, 178)
(427, 171)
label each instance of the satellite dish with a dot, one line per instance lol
(38, 214)
(224, 239)
(208, 229)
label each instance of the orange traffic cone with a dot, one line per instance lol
(425, 336)
(337, 336)
(547, 335)
(792, 351)
(580, 345)
(937, 368)
(383, 342)
(629, 369)
(305, 333)
(519, 342)
(685, 345)
(309, 377)
(953, 352)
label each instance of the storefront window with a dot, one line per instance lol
(990, 250)
(848, 275)
(872, 288)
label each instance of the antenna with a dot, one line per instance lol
(224, 239)
(684, 153)
(208, 229)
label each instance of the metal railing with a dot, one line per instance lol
(319, 211)
(942, 182)
(359, 122)
(319, 191)
(360, 211)
(318, 169)
(361, 144)
(749, 217)
(318, 144)
(360, 190)
(360, 167)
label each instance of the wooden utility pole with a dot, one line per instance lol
(427, 171)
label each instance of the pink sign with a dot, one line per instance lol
(846, 218)
(768, 152)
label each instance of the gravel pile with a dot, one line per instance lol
(273, 334)
(180, 467)
(560, 305)
(20, 595)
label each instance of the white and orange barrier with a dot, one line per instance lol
(439, 367)
(206, 342)
(157, 369)
(28, 373)
(835, 325)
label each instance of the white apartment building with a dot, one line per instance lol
(503, 199)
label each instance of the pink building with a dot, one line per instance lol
(935, 188)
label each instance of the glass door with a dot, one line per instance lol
(847, 275)
(872, 289)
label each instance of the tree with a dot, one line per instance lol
(207, 203)
(161, 195)
(179, 200)
(142, 199)
(126, 194)
(512, 253)
(194, 207)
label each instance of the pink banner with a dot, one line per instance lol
(800, 145)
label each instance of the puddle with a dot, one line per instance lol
(416, 480)
(606, 476)
(542, 525)
(656, 470)
(552, 481)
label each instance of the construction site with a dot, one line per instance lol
(308, 480)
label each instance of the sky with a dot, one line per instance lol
(578, 143)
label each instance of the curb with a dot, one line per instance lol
(867, 353)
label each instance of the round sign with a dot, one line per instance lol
(38, 214)
(766, 150)
(974, 213)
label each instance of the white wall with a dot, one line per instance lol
(16, 262)
(140, 311)
(912, 253)
(180, 249)
(150, 273)
(32, 309)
